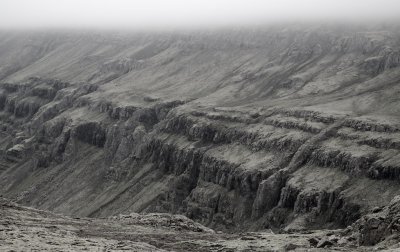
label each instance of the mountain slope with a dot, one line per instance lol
(283, 127)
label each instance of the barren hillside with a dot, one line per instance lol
(288, 128)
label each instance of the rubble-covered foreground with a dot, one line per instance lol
(24, 228)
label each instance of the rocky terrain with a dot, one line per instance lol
(283, 128)
(24, 228)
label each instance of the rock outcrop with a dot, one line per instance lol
(287, 130)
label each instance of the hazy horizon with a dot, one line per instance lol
(158, 14)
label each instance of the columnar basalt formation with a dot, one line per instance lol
(284, 129)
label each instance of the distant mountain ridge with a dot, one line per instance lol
(288, 128)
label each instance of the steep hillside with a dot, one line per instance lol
(283, 128)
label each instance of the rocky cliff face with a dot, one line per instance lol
(284, 129)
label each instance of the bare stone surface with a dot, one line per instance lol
(289, 129)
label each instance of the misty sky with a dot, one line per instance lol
(186, 13)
